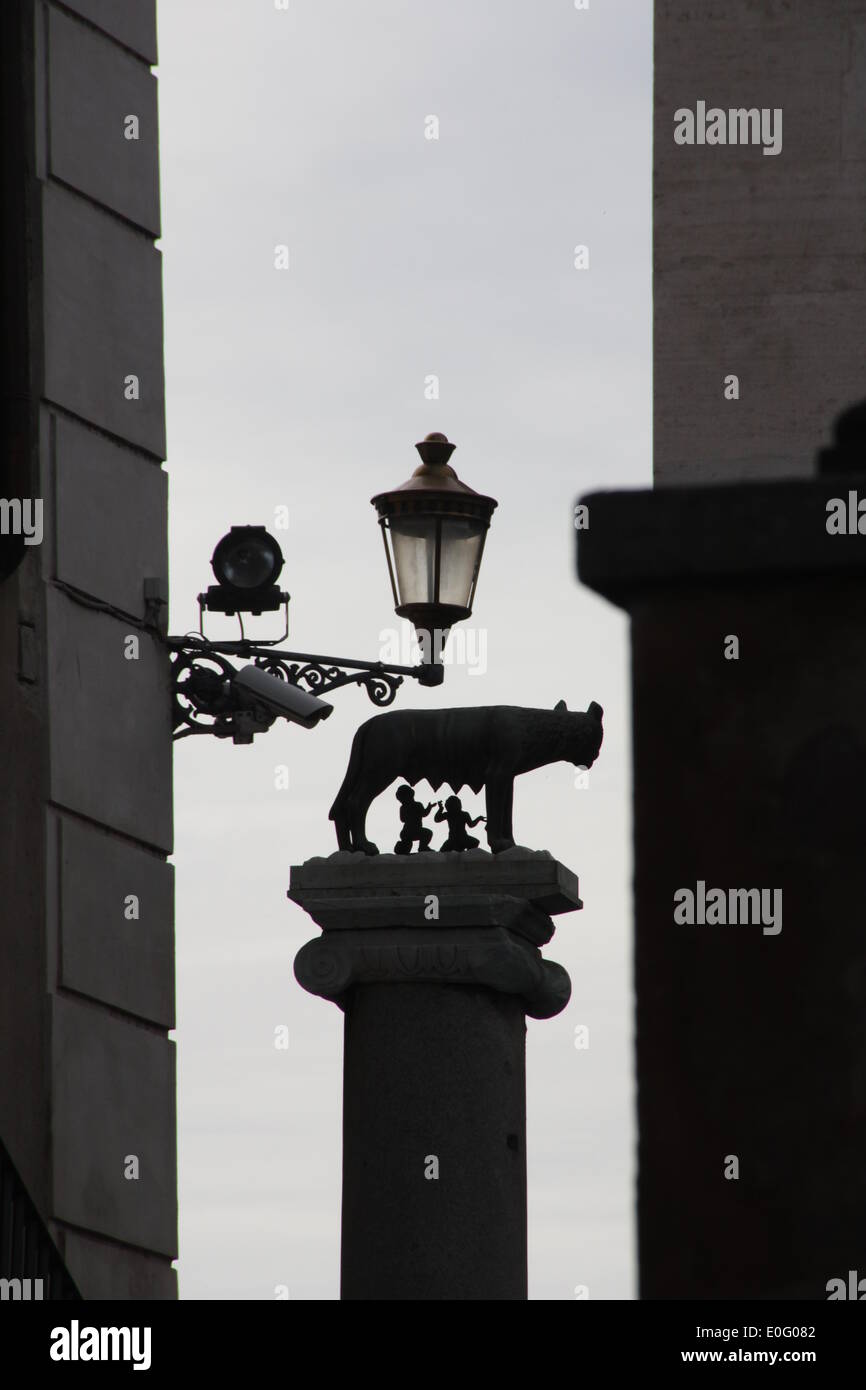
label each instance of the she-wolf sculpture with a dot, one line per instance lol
(484, 747)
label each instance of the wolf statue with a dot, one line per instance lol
(484, 747)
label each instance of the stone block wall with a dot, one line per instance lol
(87, 1081)
(759, 263)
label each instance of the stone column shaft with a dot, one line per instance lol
(434, 1147)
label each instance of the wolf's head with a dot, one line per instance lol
(585, 734)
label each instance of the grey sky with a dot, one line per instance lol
(305, 388)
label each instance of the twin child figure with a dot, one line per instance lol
(414, 830)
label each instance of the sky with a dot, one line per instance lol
(305, 388)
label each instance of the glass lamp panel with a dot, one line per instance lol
(414, 548)
(461, 551)
(249, 564)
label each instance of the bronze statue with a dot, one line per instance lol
(459, 821)
(484, 747)
(412, 815)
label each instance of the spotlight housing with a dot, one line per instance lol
(246, 564)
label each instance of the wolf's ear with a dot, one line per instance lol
(560, 705)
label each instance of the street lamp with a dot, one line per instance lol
(434, 528)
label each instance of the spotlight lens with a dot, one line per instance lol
(247, 558)
(248, 566)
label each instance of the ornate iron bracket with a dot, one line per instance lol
(205, 700)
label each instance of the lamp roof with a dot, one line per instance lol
(435, 476)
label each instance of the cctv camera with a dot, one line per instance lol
(280, 698)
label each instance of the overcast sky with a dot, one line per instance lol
(305, 388)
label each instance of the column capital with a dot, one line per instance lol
(473, 918)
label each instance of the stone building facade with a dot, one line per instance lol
(758, 264)
(87, 1078)
(749, 658)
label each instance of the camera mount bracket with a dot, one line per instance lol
(206, 700)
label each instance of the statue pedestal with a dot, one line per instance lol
(435, 961)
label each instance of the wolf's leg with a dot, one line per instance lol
(340, 811)
(359, 805)
(341, 825)
(500, 794)
(507, 803)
